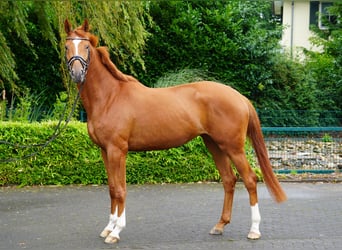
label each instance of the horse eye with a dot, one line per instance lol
(66, 48)
(87, 46)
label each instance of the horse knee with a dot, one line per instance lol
(233, 179)
(229, 183)
(117, 193)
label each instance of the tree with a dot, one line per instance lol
(12, 14)
(326, 66)
(233, 40)
(32, 38)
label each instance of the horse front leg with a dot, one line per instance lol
(115, 162)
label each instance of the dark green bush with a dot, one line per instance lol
(73, 159)
(232, 40)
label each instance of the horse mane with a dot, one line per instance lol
(105, 58)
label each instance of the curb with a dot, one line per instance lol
(312, 180)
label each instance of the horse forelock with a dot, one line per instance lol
(92, 38)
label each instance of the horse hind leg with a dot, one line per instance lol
(228, 180)
(228, 177)
(250, 180)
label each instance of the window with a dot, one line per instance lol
(325, 16)
(319, 14)
(277, 10)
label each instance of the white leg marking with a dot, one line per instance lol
(120, 224)
(112, 221)
(111, 224)
(256, 218)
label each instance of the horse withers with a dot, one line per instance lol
(124, 115)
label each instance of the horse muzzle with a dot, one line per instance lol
(77, 76)
(78, 67)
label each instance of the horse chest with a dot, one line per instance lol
(104, 134)
(98, 133)
(92, 134)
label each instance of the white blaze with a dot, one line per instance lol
(76, 42)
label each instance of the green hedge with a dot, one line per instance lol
(73, 159)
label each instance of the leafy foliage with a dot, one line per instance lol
(237, 43)
(73, 159)
(288, 88)
(325, 67)
(233, 40)
(32, 39)
(182, 76)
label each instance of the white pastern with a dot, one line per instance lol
(256, 218)
(112, 221)
(120, 224)
(76, 42)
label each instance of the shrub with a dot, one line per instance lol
(73, 159)
(233, 40)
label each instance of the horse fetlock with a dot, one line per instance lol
(254, 232)
(110, 226)
(256, 218)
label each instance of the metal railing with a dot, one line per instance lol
(304, 149)
(300, 118)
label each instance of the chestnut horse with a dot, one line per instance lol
(124, 115)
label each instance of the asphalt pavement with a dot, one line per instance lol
(170, 216)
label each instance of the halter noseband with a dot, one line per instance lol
(84, 63)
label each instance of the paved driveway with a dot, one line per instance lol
(169, 217)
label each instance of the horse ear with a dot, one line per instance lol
(67, 26)
(85, 25)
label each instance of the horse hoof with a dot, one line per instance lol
(105, 233)
(216, 231)
(253, 236)
(111, 240)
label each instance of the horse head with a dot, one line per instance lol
(77, 51)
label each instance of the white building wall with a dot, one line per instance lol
(296, 24)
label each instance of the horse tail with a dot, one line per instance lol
(255, 134)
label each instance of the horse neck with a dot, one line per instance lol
(99, 87)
